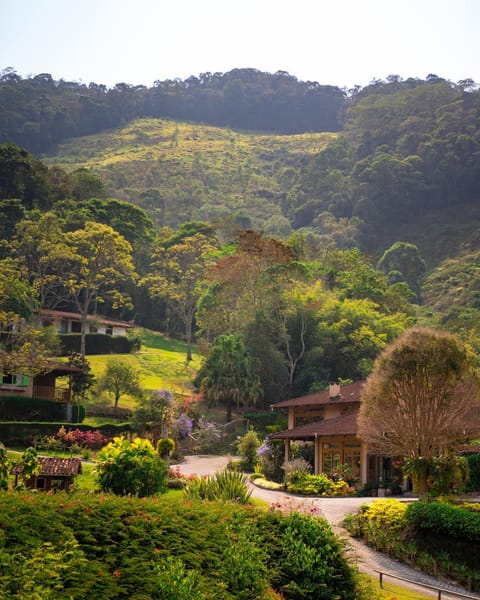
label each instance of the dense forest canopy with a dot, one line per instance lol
(316, 249)
(38, 112)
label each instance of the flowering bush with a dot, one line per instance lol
(93, 440)
(182, 427)
(317, 485)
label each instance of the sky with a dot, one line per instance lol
(335, 42)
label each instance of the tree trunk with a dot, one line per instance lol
(83, 333)
(422, 485)
(229, 409)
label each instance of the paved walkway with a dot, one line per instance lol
(333, 510)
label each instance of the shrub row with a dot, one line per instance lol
(97, 343)
(25, 434)
(19, 408)
(78, 546)
(434, 537)
(444, 519)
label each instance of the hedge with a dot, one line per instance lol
(19, 408)
(25, 434)
(97, 343)
(444, 519)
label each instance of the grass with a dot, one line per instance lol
(392, 591)
(161, 363)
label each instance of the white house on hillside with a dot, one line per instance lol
(69, 322)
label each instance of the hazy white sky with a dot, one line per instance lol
(338, 42)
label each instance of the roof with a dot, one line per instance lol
(54, 466)
(344, 425)
(59, 369)
(351, 392)
(46, 312)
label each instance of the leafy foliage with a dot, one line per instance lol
(131, 468)
(124, 547)
(418, 399)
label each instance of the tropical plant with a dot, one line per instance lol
(224, 485)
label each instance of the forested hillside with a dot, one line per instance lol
(305, 254)
(38, 112)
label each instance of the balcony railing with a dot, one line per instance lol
(51, 393)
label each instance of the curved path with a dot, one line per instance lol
(333, 510)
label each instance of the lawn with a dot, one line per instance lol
(161, 363)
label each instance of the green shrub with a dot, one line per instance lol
(307, 484)
(436, 538)
(445, 519)
(224, 485)
(247, 447)
(131, 468)
(473, 484)
(19, 408)
(140, 549)
(26, 434)
(97, 343)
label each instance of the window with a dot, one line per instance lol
(332, 457)
(15, 379)
(351, 458)
(40, 483)
(109, 330)
(63, 326)
(76, 327)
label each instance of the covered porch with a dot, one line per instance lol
(335, 443)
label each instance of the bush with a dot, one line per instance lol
(247, 447)
(445, 519)
(436, 538)
(473, 484)
(25, 434)
(106, 547)
(307, 484)
(224, 485)
(97, 343)
(19, 408)
(131, 468)
(271, 456)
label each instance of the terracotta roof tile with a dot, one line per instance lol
(345, 425)
(54, 465)
(351, 392)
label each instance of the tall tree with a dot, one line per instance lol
(101, 262)
(177, 275)
(42, 255)
(418, 401)
(229, 375)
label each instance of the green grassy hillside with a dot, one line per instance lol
(181, 171)
(160, 363)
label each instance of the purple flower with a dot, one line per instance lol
(182, 427)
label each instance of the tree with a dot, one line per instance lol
(42, 257)
(154, 413)
(84, 379)
(178, 276)
(120, 378)
(418, 401)
(229, 374)
(102, 261)
(405, 259)
(134, 468)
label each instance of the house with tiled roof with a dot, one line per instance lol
(55, 473)
(328, 420)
